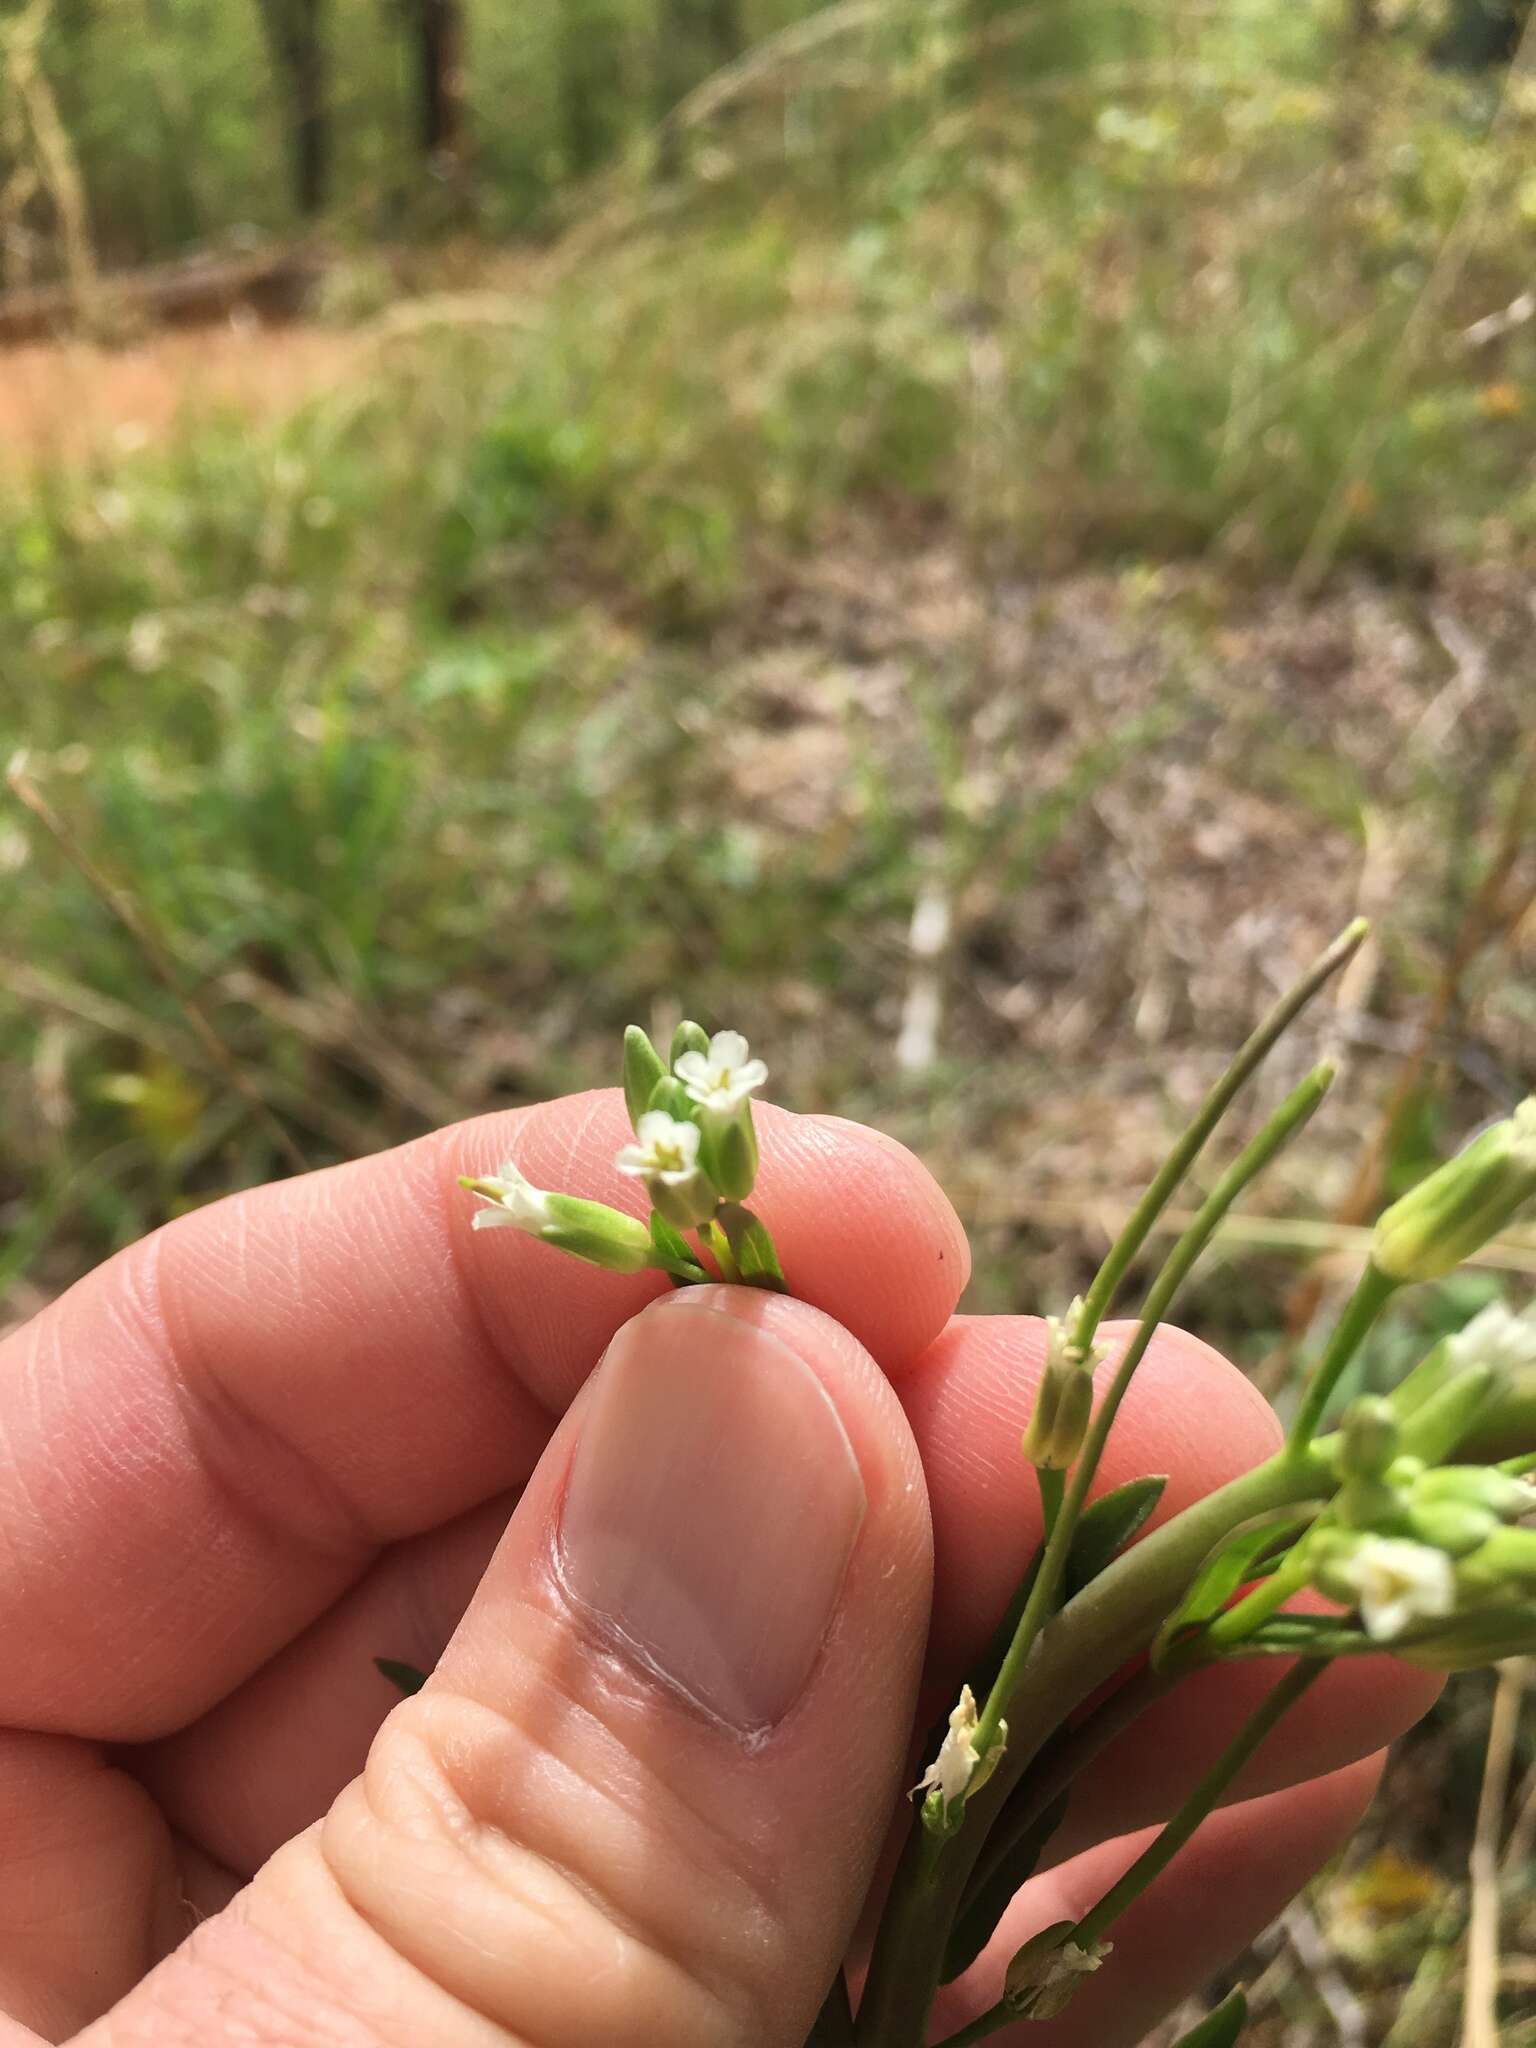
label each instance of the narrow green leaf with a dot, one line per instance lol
(671, 1243)
(752, 1248)
(978, 1920)
(1105, 1528)
(406, 1676)
(1229, 1566)
(643, 1068)
(1219, 2029)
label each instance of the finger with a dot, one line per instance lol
(232, 1783)
(641, 1799)
(209, 1438)
(236, 1782)
(1188, 1414)
(1240, 1870)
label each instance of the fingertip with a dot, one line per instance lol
(1189, 1415)
(864, 1231)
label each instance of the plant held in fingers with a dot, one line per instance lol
(1408, 1516)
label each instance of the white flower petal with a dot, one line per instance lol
(693, 1068)
(633, 1159)
(728, 1049)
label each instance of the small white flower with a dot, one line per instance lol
(1497, 1339)
(1062, 1349)
(721, 1079)
(668, 1150)
(1396, 1582)
(953, 1770)
(1044, 1974)
(515, 1202)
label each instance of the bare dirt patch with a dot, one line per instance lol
(67, 400)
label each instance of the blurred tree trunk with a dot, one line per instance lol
(439, 31)
(1482, 33)
(589, 82)
(296, 34)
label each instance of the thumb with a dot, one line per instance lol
(640, 1801)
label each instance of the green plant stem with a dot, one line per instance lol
(1256, 1607)
(716, 1241)
(1083, 1647)
(1154, 1860)
(1062, 1762)
(1298, 1106)
(1106, 1282)
(1372, 1292)
(992, 2021)
(1053, 1488)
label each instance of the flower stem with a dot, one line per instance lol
(1085, 1645)
(1154, 1860)
(1106, 1282)
(1298, 1106)
(1372, 1293)
(716, 1241)
(992, 2021)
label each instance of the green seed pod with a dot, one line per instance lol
(1453, 1213)
(1063, 1410)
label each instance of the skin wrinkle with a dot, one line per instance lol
(642, 1795)
(507, 1865)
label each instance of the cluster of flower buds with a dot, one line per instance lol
(959, 1769)
(695, 1149)
(1430, 1553)
(1064, 1401)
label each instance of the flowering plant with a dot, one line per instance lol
(1407, 1517)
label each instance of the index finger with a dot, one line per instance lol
(208, 1439)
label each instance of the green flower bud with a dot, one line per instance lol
(1368, 1437)
(730, 1151)
(600, 1235)
(1456, 1527)
(1441, 1423)
(689, 1037)
(672, 1096)
(1497, 1493)
(1462, 1204)
(643, 1068)
(1503, 1568)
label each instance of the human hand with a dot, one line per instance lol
(318, 1423)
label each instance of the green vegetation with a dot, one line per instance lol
(1071, 471)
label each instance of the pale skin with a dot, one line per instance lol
(323, 1421)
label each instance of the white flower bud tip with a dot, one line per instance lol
(515, 1202)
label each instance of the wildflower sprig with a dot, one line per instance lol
(1405, 1531)
(695, 1151)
